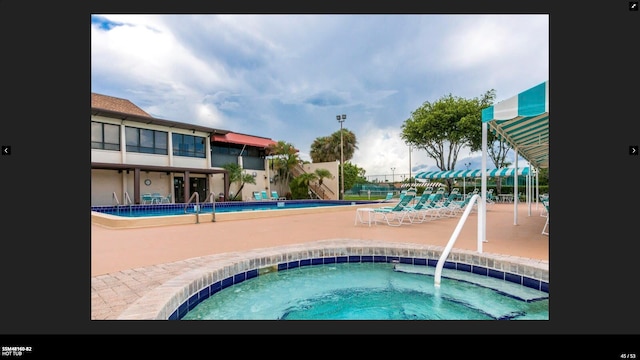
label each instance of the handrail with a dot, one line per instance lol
(213, 205)
(115, 197)
(452, 240)
(197, 207)
(127, 199)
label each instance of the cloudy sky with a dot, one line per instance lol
(286, 77)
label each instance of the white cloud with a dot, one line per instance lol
(287, 76)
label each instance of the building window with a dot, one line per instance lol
(105, 136)
(188, 145)
(146, 141)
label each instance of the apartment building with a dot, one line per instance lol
(134, 154)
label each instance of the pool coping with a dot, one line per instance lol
(172, 299)
(119, 222)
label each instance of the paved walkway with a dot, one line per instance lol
(128, 263)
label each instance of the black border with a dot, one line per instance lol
(45, 260)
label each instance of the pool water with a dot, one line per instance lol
(204, 208)
(372, 291)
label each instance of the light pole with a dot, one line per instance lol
(393, 176)
(341, 119)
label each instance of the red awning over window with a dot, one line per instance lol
(242, 139)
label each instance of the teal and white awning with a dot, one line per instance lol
(452, 174)
(523, 122)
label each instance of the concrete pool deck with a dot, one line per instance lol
(127, 264)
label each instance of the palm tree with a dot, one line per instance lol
(327, 148)
(319, 151)
(237, 175)
(285, 158)
(322, 174)
(301, 184)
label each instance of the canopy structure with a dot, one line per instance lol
(423, 184)
(503, 172)
(523, 122)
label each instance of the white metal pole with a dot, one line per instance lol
(515, 192)
(482, 210)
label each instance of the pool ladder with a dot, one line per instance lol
(127, 199)
(197, 206)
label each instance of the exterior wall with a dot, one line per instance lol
(106, 156)
(161, 183)
(184, 161)
(134, 158)
(334, 169)
(103, 184)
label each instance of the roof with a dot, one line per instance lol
(116, 108)
(105, 102)
(243, 139)
(523, 122)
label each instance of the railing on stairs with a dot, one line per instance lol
(454, 237)
(322, 192)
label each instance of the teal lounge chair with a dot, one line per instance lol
(257, 196)
(430, 207)
(395, 215)
(274, 196)
(388, 198)
(416, 209)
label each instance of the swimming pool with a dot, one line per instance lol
(220, 207)
(179, 295)
(372, 291)
(137, 216)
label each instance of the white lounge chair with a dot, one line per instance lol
(395, 215)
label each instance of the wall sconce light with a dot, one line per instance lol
(254, 174)
(270, 180)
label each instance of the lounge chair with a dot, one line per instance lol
(264, 195)
(416, 209)
(431, 207)
(457, 207)
(257, 196)
(395, 215)
(388, 198)
(274, 196)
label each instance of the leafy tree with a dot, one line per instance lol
(444, 127)
(353, 175)
(285, 158)
(237, 175)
